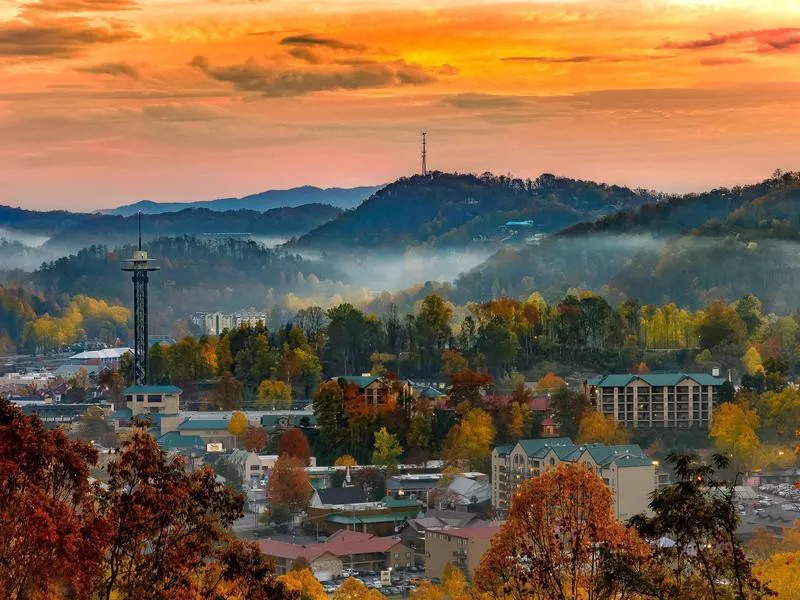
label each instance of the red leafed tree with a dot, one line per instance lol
(294, 443)
(255, 438)
(154, 532)
(560, 530)
(51, 537)
(165, 522)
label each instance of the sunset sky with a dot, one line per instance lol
(104, 102)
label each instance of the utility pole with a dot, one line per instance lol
(424, 153)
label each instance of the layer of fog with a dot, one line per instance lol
(32, 240)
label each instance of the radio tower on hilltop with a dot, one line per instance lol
(140, 265)
(424, 153)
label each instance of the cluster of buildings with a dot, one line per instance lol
(214, 323)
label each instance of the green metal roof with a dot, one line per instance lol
(633, 461)
(393, 502)
(540, 446)
(175, 441)
(389, 517)
(361, 381)
(204, 424)
(654, 379)
(153, 389)
(292, 420)
(603, 454)
(430, 392)
(503, 450)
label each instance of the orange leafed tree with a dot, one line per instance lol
(560, 529)
(255, 438)
(550, 383)
(288, 484)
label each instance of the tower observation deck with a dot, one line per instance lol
(140, 265)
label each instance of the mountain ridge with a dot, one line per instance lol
(343, 198)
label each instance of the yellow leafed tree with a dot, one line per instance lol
(345, 460)
(595, 427)
(304, 582)
(734, 432)
(238, 424)
(781, 572)
(272, 392)
(351, 589)
(751, 361)
(470, 441)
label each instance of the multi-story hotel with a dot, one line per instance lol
(626, 470)
(679, 400)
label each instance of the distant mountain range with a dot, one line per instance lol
(344, 198)
(456, 210)
(282, 222)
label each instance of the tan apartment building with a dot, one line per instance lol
(677, 400)
(625, 469)
(161, 403)
(463, 547)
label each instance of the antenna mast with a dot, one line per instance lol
(424, 153)
(139, 214)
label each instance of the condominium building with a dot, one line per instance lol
(625, 469)
(216, 322)
(678, 400)
(462, 547)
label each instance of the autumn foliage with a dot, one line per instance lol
(560, 529)
(294, 443)
(153, 531)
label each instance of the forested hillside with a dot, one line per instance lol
(196, 274)
(454, 210)
(689, 250)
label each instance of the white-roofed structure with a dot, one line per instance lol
(107, 357)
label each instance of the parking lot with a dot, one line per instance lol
(404, 581)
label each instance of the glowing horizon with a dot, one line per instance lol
(107, 102)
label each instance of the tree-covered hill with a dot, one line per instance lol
(196, 275)
(278, 222)
(679, 214)
(690, 250)
(455, 210)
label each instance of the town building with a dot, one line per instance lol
(463, 547)
(625, 469)
(159, 403)
(214, 323)
(106, 358)
(348, 507)
(677, 400)
(377, 391)
(344, 549)
(414, 531)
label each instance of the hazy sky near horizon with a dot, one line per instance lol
(104, 102)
